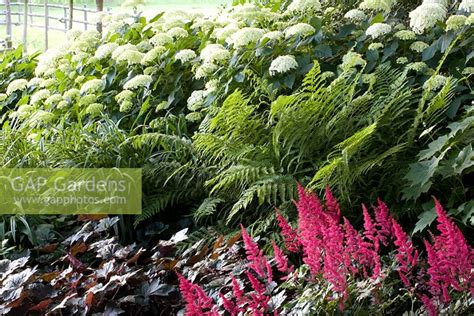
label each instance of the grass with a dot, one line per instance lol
(36, 36)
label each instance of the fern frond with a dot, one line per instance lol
(207, 208)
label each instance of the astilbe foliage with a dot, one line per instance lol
(336, 253)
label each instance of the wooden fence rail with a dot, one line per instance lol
(18, 14)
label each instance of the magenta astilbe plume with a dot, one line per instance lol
(361, 252)
(429, 306)
(332, 205)
(310, 223)
(259, 300)
(370, 232)
(281, 261)
(257, 261)
(237, 292)
(229, 305)
(383, 222)
(289, 234)
(407, 255)
(197, 302)
(450, 258)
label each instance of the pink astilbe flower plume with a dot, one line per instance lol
(407, 255)
(383, 222)
(229, 305)
(197, 302)
(370, 232)
(238, 292)
(259, 301)
(310, 223)
(332, 205)
(257, 261)
(289, 234)
(281, 261)
(450, 259)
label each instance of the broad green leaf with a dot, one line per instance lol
(424, 220)
(464, 160)
(434, 147)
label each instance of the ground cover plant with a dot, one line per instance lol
(226, 113)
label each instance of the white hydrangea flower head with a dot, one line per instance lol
(87, 99)
(17, 85)
(144, 46)
(36, 81)
(405, 35)
(466, 6)
(153, 55)
(377, 5)
(402, 60)
(273, 35)
(301, 29)
(95, 109)
(40, 96)
(126, 106)
(185, 55)
(351, 60)
(418, 46)
(73, 35)
(455, 22)
(93, 86)
(23, 111)
(218, 56)
(470, 19)
(282, 65)
(3, 97)
(377, 30)
(177, 32)
(246, 36)
(86, 41)
(355, 15)
(47, 61)
(426, 15)
(121, 49)
(168, 25)
(54, 99)
(124, 95)
(417, 66)
(203, 24)
(138, 82)
(71, 94)
(62, 104)
(172, 15)
(212, 85)
(132, 57)
(304, 6)
(205, 70)
(225, 32)
(161, 39)
(435, 83)
(196, 99)
(210, 49)
(375, 46)
(48, 83)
